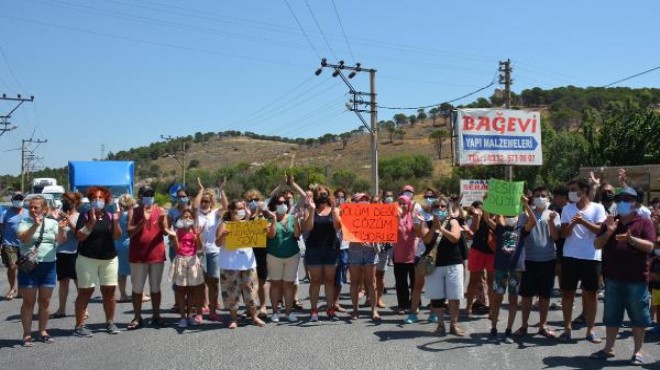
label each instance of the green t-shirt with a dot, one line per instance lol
(284, 244)
(47, 248)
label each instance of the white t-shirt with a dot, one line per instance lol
(644, 212)
(241, 259)
(209, 223)
(580, 244)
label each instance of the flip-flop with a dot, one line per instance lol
(27, 343)
(521, 332)
(441, 331)
(547, 333)
(565, 337)
(11, 295)
(637, 360)
(593, 338)
(601, 355)
(134, 325)
(46, 339)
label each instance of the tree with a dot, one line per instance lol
(400, 119)
(390, 128)
(433, 113)
(412, 119)
(421, 114)
(194, 163)
(438, 137)
(344, 136)
(399, 133)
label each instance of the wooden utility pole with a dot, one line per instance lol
(505, 79)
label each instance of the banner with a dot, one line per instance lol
(246, 234)
(369, 223)
(498, 137)
(504, 197)
(473, 190)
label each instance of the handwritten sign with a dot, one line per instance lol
(504, 197)
(473, 190)
(369, 223)
(246, 234)
(498, 136)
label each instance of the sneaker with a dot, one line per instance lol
(332, 315)
(192, 322)
(315, 316)
(493, 336)
(433, 317)
(508, 336)
(655, 329)
(292, 317)
(83, 332)
(411, 318)
(111, 328)
(275, 317)
(183, 323)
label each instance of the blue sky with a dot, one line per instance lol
(120, 73)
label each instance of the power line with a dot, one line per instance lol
(318, 25)
(13, 75)
(302, 29)
(448, 101)
(631, 77)
(350, 51)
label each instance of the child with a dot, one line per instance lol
(508, 267)
(186, 269)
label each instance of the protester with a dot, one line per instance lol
(97, 262)
(9, 221)
(626, 243)
(384, 255)
(341, 275)
(481, 257)
(126, 204)
(67, 251)
(39, 234)
(403, 254)
(255, 203)
(580, 221)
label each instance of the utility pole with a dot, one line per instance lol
(27, 156)
(354, 105)
(102, 152)
(182, 160)
(4, 120)
(505, 79)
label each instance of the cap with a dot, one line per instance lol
(408, 188)
(146, 191)
(17, 196)
(359, 196)
(626, 192)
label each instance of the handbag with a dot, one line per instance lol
(30, 260)
(428, 261)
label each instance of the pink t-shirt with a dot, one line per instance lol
(187, 243)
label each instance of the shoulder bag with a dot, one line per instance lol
(30, 260)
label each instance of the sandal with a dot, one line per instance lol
(547, 333)
(233, 325)
(594, 338)
(440, 331)
(58, 315)
(637, 360)
(521, 332)
(297, 305)
(11, 295)
(601, 355)
(375, 317)
(46, 339)
(355, 315)
(258, 322)
(565, 337)
(456, 330)
(27, 342)
(135, 324)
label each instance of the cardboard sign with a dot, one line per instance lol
(246, 234)
(498, 137)
(473, 190)
(504, 197)
(369, 223)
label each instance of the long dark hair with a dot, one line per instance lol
(231, 207)
(272, 203)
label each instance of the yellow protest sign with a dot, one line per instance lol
(246, 234)
(369, 223)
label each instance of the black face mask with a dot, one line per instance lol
(66, 206)
(608, 197)
(323, 199)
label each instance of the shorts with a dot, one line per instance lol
(186, 271)
(362, 256)
(479, 261)
(121, 247)
(66, 266)
(633, 298)
(285, 269)
(574, 270)
(655, 297)
(506, 281)
(383, 257)
(236, 283)
(321, 256)
(140, 272)
(538, 279)
(10, 255)
(44, 275)
(445, 282)
(212, 264)
(93, 271)
(262, 264)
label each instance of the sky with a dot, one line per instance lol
(109, 75)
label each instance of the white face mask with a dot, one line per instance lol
(573, 197)
(183, 224)
(240, 214)
(17, 203)
(282, 209)
(511, 221)
(541, 202)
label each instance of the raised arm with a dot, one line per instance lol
(198, 198)
(224, 203)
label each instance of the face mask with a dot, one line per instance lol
(240, 214)
(408, 194)
(608, 197)
(573, 197)
(183, 201)
(323, 199)
(429, 201)
(511, 221)
(442, 214)
(282, 209)
(252, 205)
(98, 205)
(540, 202)
(389, 200)
(340, 200)
(148, 201)
(624, 208)
(290, 201)
(16, 203)
(183, 224)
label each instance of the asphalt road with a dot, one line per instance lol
(337, 345)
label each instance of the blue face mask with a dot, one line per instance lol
(624, 208)
(98, 205)
(442, 214)
(148, 201)
(429, 201)
(252, 205)
(183, 200)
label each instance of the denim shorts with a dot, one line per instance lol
(507, 281)
(632, 298)
(44, 275)
(321, 256)
(362, 256)
(213, 265)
